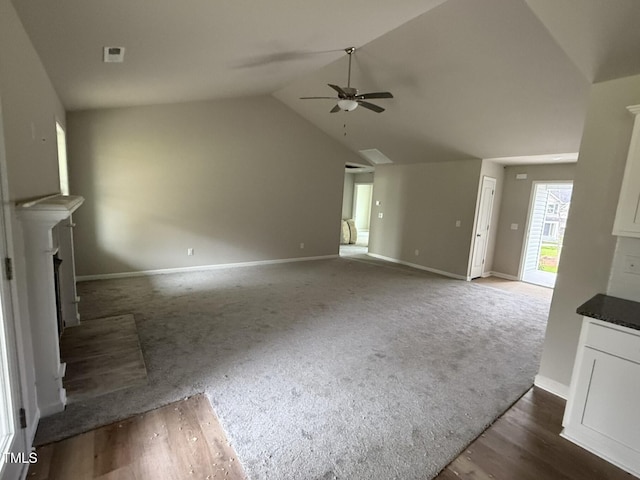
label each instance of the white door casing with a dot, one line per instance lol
(483, 224)
(13, 440)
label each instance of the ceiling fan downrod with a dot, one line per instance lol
(349, 51)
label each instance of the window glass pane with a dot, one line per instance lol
(62, 159)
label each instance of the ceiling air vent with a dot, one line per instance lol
(375, 156)
(113, 55)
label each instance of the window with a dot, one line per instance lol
(62, 159)
(550, 229)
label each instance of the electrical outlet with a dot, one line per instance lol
(417, 252)
(190, 252)
(458, 223)
(514, 226)
(301, 246)
(380, 215)
(632, 264)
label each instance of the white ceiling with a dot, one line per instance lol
(602, 37)
(485, 79)
(201, 49)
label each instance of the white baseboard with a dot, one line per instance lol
(419, 267)
(199, 268)
(504, 275)
(552, 386)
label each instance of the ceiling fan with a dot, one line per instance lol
(348, 98)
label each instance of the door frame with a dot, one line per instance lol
(8, 303)
(525, 240)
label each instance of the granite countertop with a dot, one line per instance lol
(612, 310)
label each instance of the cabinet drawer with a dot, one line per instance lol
(614, 341)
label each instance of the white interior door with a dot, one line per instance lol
(12, 437)
(483, 224)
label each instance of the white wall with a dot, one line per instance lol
(362, 205)
(515, 209)
(420, 204)
(347, 196)
(367, 177)
(237, 180)
(587, 255)
(30, 107)
(621, 283)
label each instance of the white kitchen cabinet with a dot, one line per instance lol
(603, 409)
(627, 221)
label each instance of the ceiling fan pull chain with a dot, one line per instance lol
(349, 75)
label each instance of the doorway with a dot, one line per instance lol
(548, 211)
(362, 197)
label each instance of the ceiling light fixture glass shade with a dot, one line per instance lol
(347, 105)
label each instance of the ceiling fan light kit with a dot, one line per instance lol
(348, 98)
(347, 105)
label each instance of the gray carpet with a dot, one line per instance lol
(331, 369)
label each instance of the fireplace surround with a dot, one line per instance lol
(47, 230)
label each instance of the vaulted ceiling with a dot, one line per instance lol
(485, 79)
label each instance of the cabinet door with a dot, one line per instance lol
(605, 414)
(627, 221)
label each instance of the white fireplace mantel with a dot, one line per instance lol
(47, 230)
(52, 209)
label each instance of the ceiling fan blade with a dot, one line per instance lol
(340, 91)
(370, 106)
(375, 95)
(335, 109)
(314, 98)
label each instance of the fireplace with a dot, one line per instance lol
(57, 261)
(47, 231)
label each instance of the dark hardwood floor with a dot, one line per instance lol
(525, 443)
(102, 356)
(185, 441)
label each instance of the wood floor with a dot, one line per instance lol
(180, 441)
(102, 356)
(525, 444)
(529, 289)
(185, 441)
